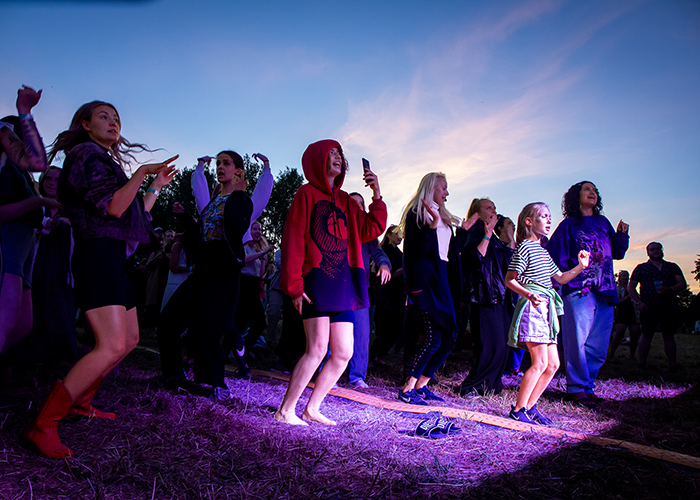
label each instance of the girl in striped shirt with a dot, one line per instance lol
(535, 325)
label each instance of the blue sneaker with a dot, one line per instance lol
(535, 415)
(412, 398)
(428, 395)
(521, 416)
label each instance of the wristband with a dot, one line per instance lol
(487, 238)
(26, 116)
(151, 190)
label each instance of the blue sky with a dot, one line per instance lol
(512, 100)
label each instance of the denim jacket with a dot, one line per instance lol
(87, 182)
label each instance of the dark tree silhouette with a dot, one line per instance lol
(272, 219)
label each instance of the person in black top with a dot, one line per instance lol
(660, 281)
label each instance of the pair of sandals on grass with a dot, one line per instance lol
(437, 427)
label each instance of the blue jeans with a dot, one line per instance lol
(586, 327)
(360, 353)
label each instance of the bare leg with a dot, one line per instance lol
(116, 334)
(341, 340)
(546, 377)
(538, 354)
(317, 334)
(410, 384)
(422, 382)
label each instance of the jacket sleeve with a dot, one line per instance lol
(95, 179)
(372, 224)
(419, 237)
(261, 195)
(378, 255)
(200, 188)
(293, 247)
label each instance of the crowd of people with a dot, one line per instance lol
(79, 231)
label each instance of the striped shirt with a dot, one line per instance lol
(533, 264)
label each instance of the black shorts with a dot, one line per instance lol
(100, 279)
(335, 316)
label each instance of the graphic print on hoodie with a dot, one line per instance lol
(322, 239)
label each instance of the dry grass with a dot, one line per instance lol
(183, 446)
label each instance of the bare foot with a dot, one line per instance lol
(317, 417)
(289, 418)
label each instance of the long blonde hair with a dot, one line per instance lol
(425, 191)
(261, 245)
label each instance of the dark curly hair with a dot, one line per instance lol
(571, 202)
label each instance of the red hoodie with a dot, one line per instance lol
(323, 236)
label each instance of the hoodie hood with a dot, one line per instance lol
(314, 163)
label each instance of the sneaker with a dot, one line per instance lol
(359, 384)
(535, 415)
(521, 415)
(428, 395)
(412, 398)
(220, 394)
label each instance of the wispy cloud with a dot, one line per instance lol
(437, 122)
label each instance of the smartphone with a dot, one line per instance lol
(365, 164)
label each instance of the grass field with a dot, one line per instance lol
(181, 445)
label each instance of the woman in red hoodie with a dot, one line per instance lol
(323, 272)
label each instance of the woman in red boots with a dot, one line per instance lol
(109, 220)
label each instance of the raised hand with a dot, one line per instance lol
(261, 157)
(433, 214)
(491, 224)
(468, 223)
(164, 177)
(178, 208)
(584, 258)
(372, 182)
(623, 227)
(204, 160)
(155, 168)
(27, 98)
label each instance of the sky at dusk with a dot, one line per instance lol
(514, 100)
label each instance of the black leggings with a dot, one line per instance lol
(434, 345)
(205, 304)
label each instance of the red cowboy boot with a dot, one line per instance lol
(82, 407)
(44, 432)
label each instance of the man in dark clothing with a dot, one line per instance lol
(660, 281)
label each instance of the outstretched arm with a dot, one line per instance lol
(123, 197)
(583, 259)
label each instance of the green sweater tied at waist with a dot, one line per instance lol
(556, 308)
